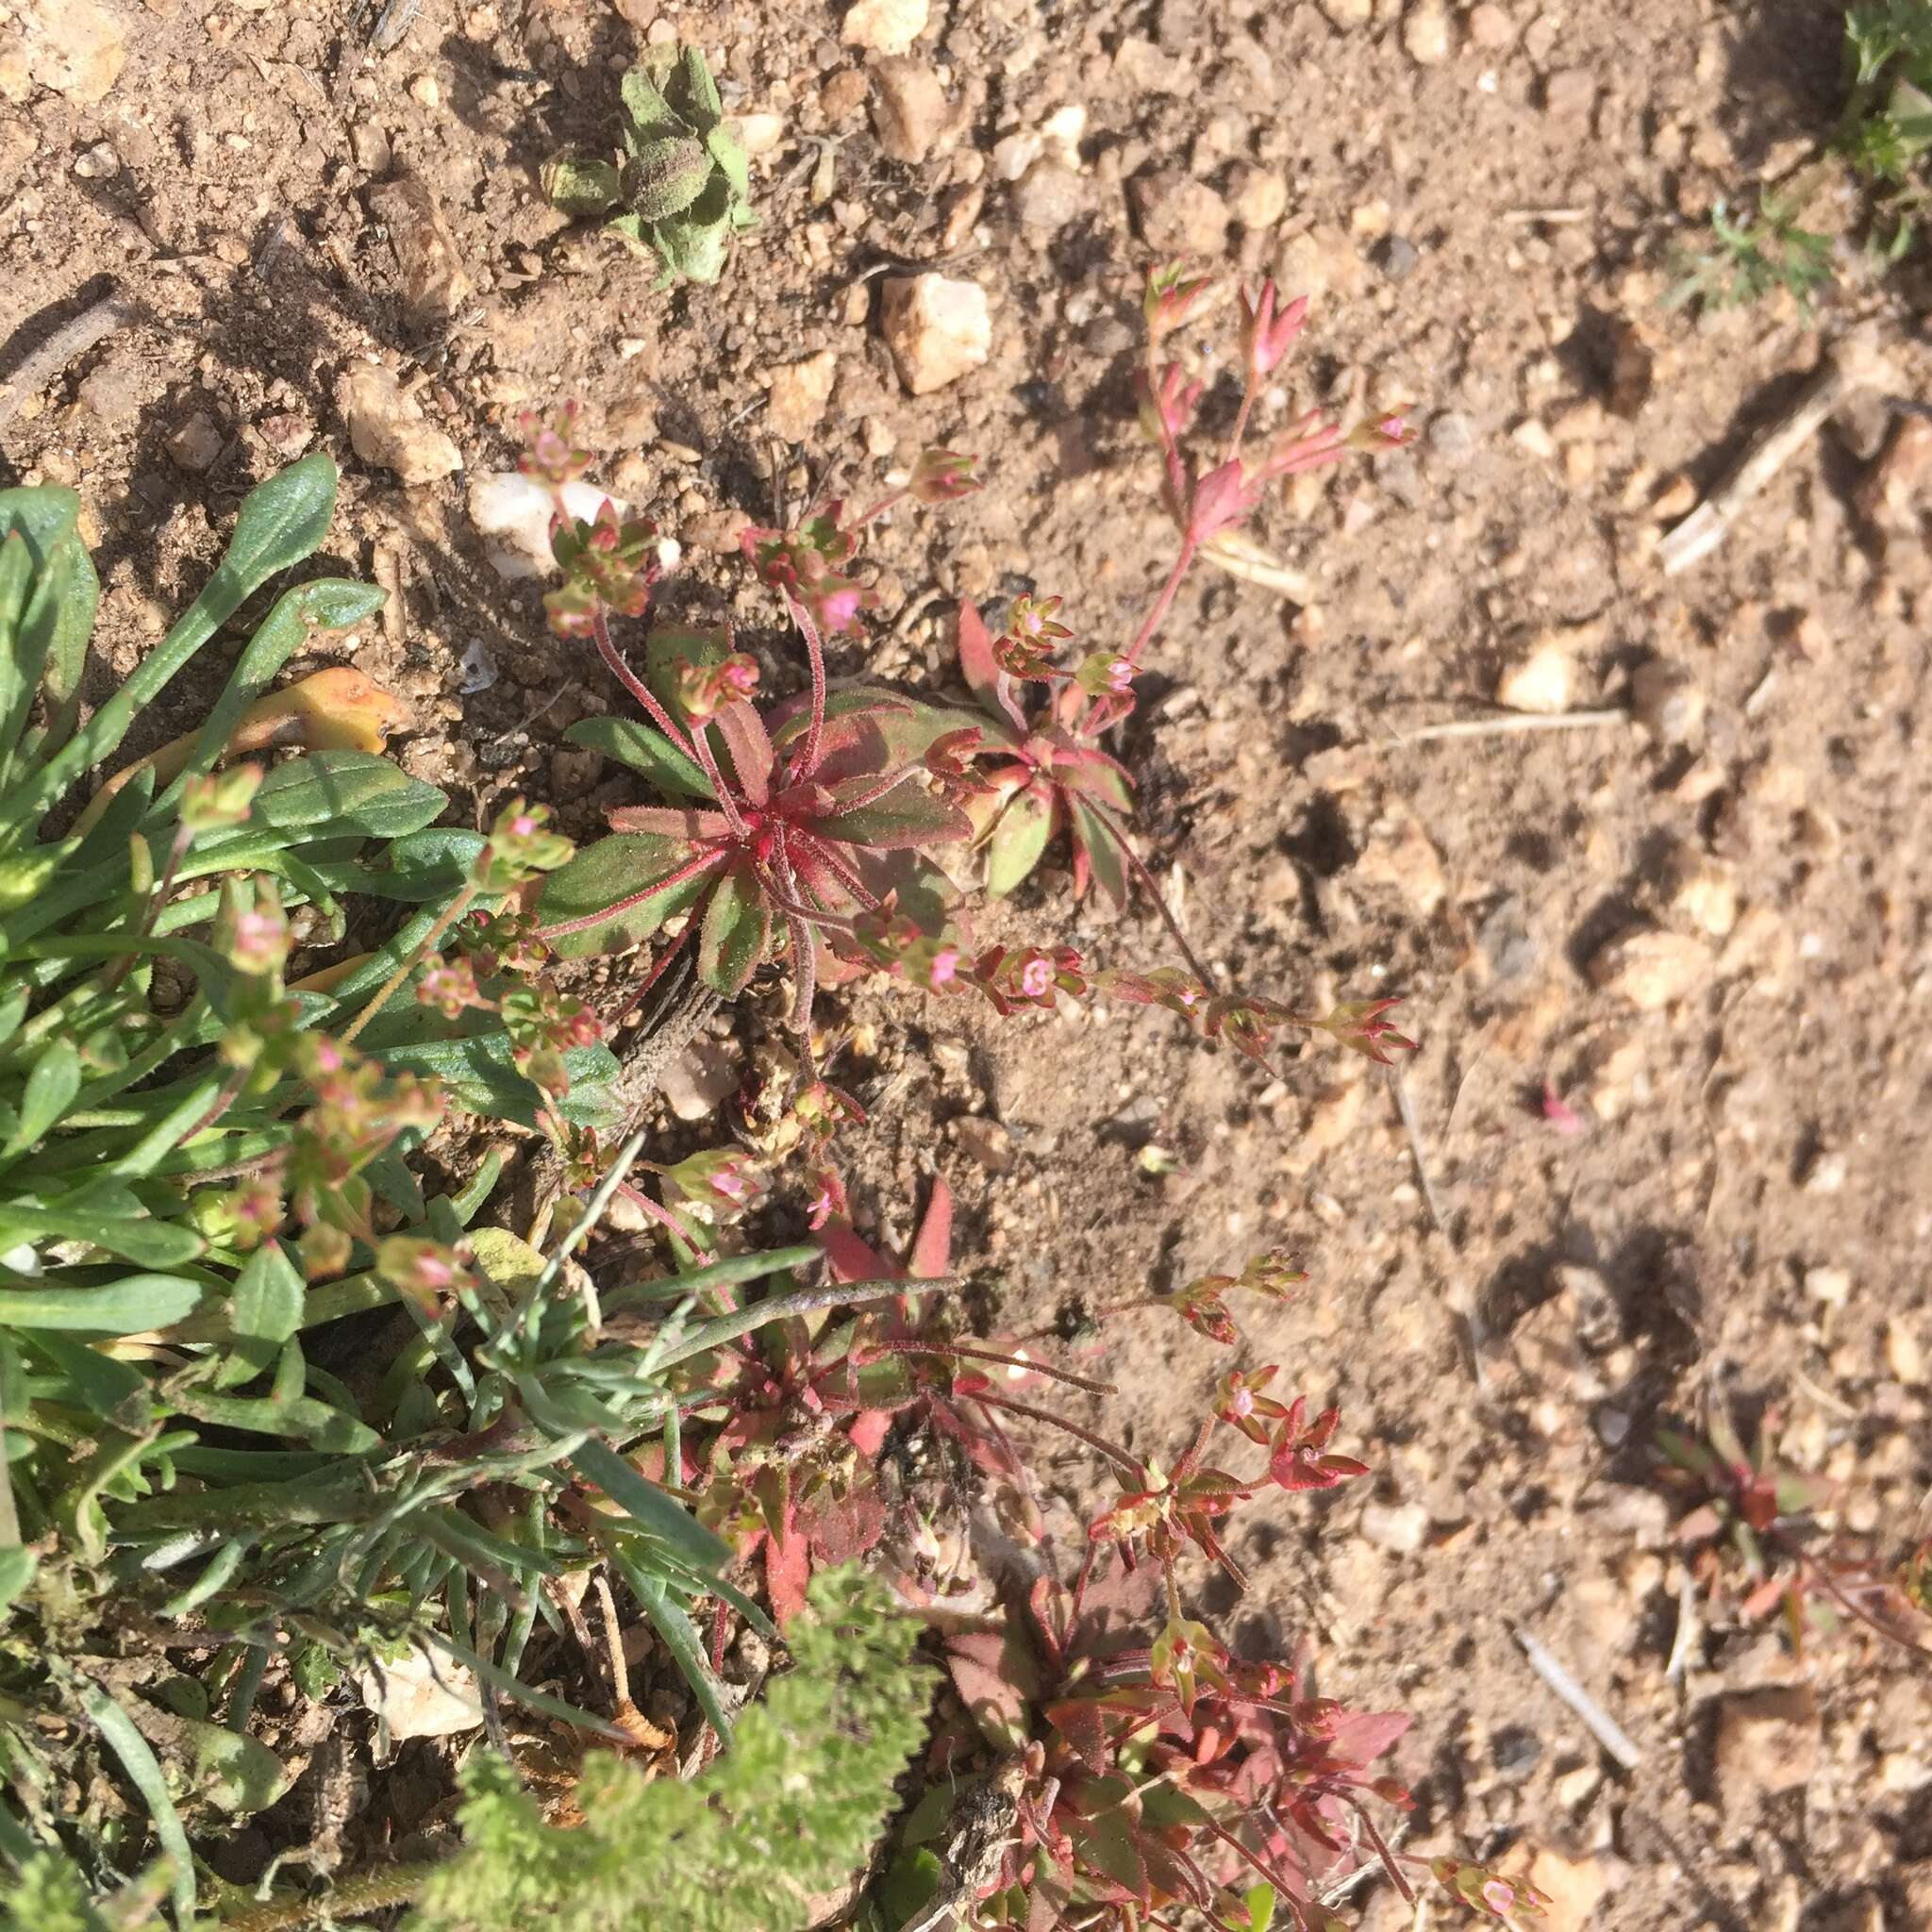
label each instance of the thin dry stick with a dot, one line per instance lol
(1849, 366)
(1472, 1319)
(68, 343)
(1597, 1720)
(1689, 1630)
(1500, 723)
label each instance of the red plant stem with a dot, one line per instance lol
(841, 868)
(1012, 1454)
(796, 908)
(1140, 870)
(664, 1218)
(1240, 423)
(808, 761)
(805, 976)
(690, 868)
(1164, 602)
(600, 629)
(991, 1355)
(701, 745)
(1113, 1453)
(1845, 1601)
(1274, 1878)
(890, 782)
(879, 509)
(1382, 1851)
(1169, 449)
(658, 968)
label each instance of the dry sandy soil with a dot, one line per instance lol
(1738, 1213)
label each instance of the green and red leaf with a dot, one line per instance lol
(736, 932)
(618, 876)
(1018, 839)
(907, 817)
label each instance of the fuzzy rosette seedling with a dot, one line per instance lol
(1042, 774)
(683, 187)
(777, 832)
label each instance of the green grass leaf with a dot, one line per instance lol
(131, 1306)
(49, 1093)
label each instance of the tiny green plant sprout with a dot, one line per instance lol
(1883, 137)
(683, 187)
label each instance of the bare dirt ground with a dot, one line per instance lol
(1483, 218)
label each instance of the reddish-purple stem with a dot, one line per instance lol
(664, 1218)
(808, 761)
(991, 1355)
(821, 852)
(1113, 1453)
(600, 628)
(1140, 870)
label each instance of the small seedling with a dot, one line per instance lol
(683, 187)
(1754, 256)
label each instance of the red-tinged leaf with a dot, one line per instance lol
(844, 1527)
(1109, 1845)
(1082, 769)
(748, 748)
(1361, 1737)
(788, 1570)
(932, 1246)
(906, 818)
(1700, 1524)
(851, 1258)
(1083, 1723)
(1173, 1874)
(667, 822)
(1019, 836)
(618, 876)
(973, 643)
(981, 669)
(997, 1677)
(1096, 851)
(868, 1429)
(736, 930)
(1764, 1599)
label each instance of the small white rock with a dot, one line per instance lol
(1346, 14)
(702, 1079)
(1704, 892)
(935, 327)
(758, 134)
(75, 47)
(1428, 35)
(389, 428)
(1904, 1357)
(1652, 970)
(1831, 1286)
(421, 1696)
(884, 27)
(1667, 701)
(514, 512)
(987, 1142)
(799, 393)
(1400, 1526)
(1540, 682)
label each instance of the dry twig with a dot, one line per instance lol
(1596, 1720)
(1850, 365)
